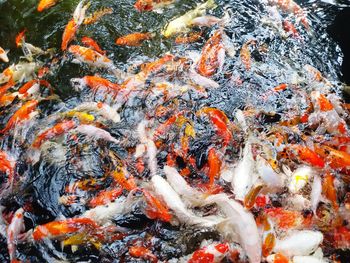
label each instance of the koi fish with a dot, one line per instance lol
(3, 55)
(211, 254)
(97, 15)
(155, 208)
(214, 164)
(74, 24)
(307, 155)
(19, 72)
(119, 176)
(133, 40)
(220, 122)
(24, 113)
(20, 37)
(142, 252)
(45, 4)
(213, 56)
(100, 108)
(287, 219)
(90, 57)
(190, 38)
(335, 158)
(95, 83)
(149, 5)
(15, 228)
(7, 166)
(105, 197)
(83, 117)
(299, 243)
(245, 54)
(329, 189)
(96, 133)
(290, 29)
(182, 23)
(55, 131)
(6, 87)
(241, 222)
(56, 229)
(89, 42)
(292, 7)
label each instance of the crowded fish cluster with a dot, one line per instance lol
(229, 147)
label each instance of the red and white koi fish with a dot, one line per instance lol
(15, 228)
(213, 253)
(95, 83)
(289, 6)
(3, 55)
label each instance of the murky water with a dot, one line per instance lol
(76, 166)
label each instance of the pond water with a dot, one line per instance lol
(271, 71)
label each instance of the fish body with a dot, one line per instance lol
(182, 23)
(105, 197)
(212, 253)
(100, 108)
(20, 115)
(14, 229)
(211, 57)
(97, 15)
(90, 57)
(3, 55)
(149, 5)
(95, 83)
(89, 42)
(95, 132)
(55, 131)
(133, 40)
(74, 24)
(45, 4)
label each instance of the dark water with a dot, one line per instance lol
(42, 184)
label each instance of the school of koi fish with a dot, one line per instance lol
(216, 151)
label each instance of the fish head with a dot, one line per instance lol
(143, 5)
(77, 83)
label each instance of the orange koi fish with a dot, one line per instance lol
(155, 208)
(221, 123)
(45, 4)
(57, 229)
(245, 54)
(55, 131)
(73, 25)
(14, 229)
(190, 38)
(120, 178)
(214, 164)
(90, 57)
(307, 155)
(210, 254)
(3, 55)
(97, 15)
(20, 115)
(95, 83)
(289, 6)
(7, 99)
(286, 219)
(105, 197)
(89, 42)
(328, 189)
(212, 57)
(133, 40)
(149, 5)
(20, 38)
(336, 159)
(7, 166)
(6, 87)
(142, 252)
(250, 198)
